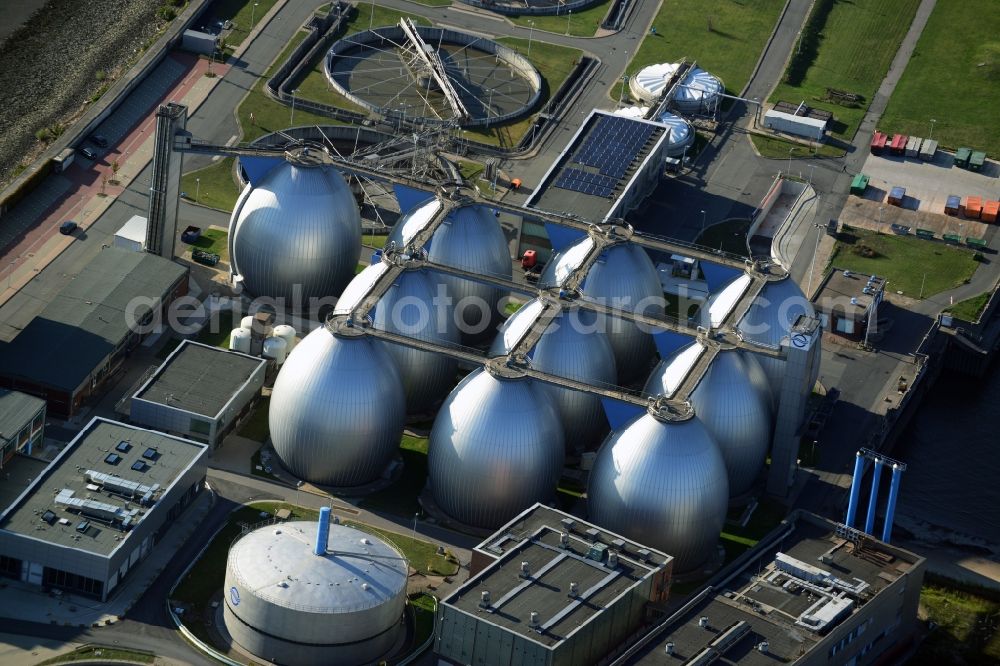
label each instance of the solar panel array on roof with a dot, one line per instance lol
(611, 147)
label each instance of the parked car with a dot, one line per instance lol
(99, 141)
(88, 153)
(191, 234)
(68, 227)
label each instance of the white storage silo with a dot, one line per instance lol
(276, 349)
(239, 340)
(286, 333)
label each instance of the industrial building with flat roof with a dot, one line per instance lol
(847, 302)
(22, 424)
(813, 592)
(65, 353)
(200, 392)
(99, 507)
(548, 588)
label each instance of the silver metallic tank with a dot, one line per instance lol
(296, 234)
(342, 607)
(623, 277)
(469, 238)
(337, 409)
(496, 448)
(573, 347)
(770, 319)
(733, 401)
(662, 484)
(409, 308)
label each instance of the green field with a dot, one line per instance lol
(99, 653)
(216, 189)
(215, 241)
(777, 148)
(726, 37)
(966, 631)
(240, 12)
(857, 42)
(970, 308)
(581, 24)
(904, 261)
(954, 78)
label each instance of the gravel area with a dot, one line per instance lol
(48, 67)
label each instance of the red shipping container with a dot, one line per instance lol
(878, 143)
(898, 145)
(973, 207)
(990, 211)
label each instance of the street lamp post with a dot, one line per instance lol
(811, 167)
(790, 151)
(415, 516)
(291, 119)
(621, 94)
(197, 189)
(298, 487)
(569, 17)
(253, 10)
(703, 226)
(878, 229)
(929, 136)
(531, 30)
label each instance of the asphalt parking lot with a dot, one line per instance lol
(928, 184)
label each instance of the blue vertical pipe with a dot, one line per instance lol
(870, 519)
(322, 531)
(852, 503)
(890, 510)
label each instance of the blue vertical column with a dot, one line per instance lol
(873, 500)
(322, 531)
(852, 503)
(890, 510)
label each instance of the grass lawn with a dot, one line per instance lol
(903, 261)
(470, 170)
(97, 653)
(857, 43)
(423, 607)
(581, 24)
(401, 498)
(269, 115)
(374, 241)
(215, 241)
(777, 148)
(970, 308)
(953, 79)
(255, 427)
(726, 37)
(216, 332)
(217, 188)
(730, 236)
(239, 12)
(967, 628)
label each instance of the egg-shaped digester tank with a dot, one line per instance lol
(337, 409)
(469, 238)
(574, 347)
(410, 308)
(496, 448)
(296, 234)
(343, 606)
(733, 401)
(623, 277)
(663, 484)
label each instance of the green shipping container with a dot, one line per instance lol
(976, 160)
(859, 184)
(962, 156)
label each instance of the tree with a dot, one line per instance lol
(104, 183)
(114, 170)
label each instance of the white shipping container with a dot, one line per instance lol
(132, 235)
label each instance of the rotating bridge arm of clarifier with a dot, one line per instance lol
(432, 61)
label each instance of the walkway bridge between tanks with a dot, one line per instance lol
(676, 79)
(354, 319)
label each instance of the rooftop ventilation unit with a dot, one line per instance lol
(592, 534)
(612, 559)
(703, 621)
(124, 487)
(669, 647)
(525, 570)
(533, 620)
(108, 513)
(563, 540)
(574, 589)
(485, 601)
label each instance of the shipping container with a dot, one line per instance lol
(878, 143)
(973, 207)
(976, 160)
(898, 144)
(990, 211)
(913, 146)
(859, 184)
(896, 196)
(928, 149)
(953, 205)
(962, 156)
(132, 235)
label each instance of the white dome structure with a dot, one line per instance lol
(681, 133)
(632, 112)
(469, 238)
(337, 409)
(733, 401)
(343, 606)
(295, 234)
(572, 347)
(698, 92)
(495, 449)
(662, 484)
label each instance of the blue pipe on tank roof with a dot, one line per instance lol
(852, 503)
(890, 510)
(873, 500)
(322, 531)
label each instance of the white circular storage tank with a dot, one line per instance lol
(276, 349)
(733, 401)
(663, 484)
(495, 449)
(409, 308)
(469, 238)
(295, 235)
(285, 603)
(247, 322)
(699, 91)
(681, 133)
(286, 333)
(337, 409)
(239, 340)
(572, 347)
